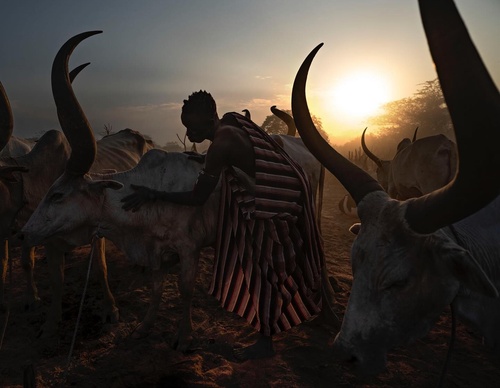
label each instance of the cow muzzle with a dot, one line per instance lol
(366, 360)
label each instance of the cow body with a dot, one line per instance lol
(421, 167)
(169, 233)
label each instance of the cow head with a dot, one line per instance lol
(402, 281)
(405, 269)
(74, 185)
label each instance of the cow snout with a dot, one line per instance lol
(367, 361)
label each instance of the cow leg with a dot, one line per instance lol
(28, 264)
(157, 286)
(328, 300)
(4, 260)
(187, 278)
(55, 259)
(110, 312)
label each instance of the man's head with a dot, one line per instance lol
(199, 116)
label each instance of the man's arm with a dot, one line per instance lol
(216, 158)
(204, 186)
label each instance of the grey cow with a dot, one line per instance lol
(413, 258)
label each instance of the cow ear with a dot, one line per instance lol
(106, 184)
(355, 228)
(465, 268)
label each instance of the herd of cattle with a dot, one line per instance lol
(429, 228)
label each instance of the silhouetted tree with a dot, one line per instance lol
(108, 130)
(426, 109)
(172, 146)
(275, 126)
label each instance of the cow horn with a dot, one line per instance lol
(6, 120)
(357, 181)
(71, 117)
(286, 118)
(414, 135)
(73, 73)
(368, 153)
(474, 103)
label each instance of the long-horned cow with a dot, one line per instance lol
(413, 258)
(26, 179)
(77, 202)
(419, 166)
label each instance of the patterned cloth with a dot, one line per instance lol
(268, 255)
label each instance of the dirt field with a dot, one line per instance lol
(106, 356)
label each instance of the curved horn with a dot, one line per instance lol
(286, 118)
(71, 117)
(358, 182)
(414, 135)
(6, 119)
(474, 103)
(368, 153)
(73, 73)
(247, 114)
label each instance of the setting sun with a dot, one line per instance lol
(359, 94)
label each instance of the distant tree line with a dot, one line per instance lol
(426, 109)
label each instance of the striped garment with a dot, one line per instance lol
(268, 255)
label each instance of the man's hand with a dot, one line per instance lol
(141, 196)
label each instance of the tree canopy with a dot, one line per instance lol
(426, 109)
(273, 125)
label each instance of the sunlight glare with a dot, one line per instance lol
(359, 95)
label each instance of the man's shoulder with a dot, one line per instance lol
(231, 119)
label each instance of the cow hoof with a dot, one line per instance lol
(112, 316)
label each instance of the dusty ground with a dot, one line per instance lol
(106, 356)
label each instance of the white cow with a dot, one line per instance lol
(413, 258)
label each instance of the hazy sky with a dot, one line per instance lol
(153, 54)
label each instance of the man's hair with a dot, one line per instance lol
(200, 102)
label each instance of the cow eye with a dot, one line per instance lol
(394, 285)
(56, 197)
